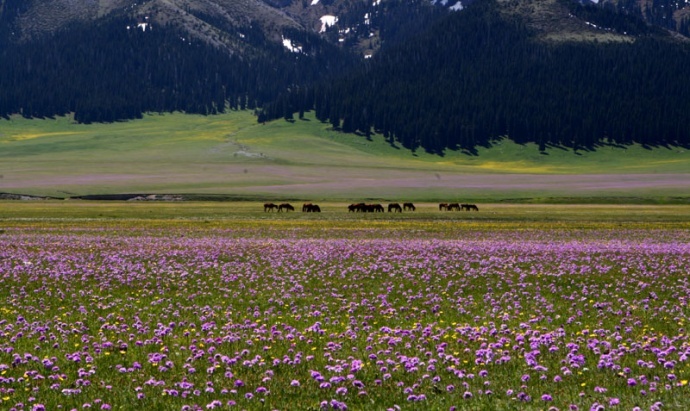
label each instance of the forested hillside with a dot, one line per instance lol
(122, 65)
(478, 75)
(107, 72)
(547, 71)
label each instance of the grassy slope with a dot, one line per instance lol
(232, 155)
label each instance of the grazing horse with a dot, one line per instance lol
(269, 207)
(453, 206)
(357, 208)
(286, 206)
(443, 206)
(311, 208)
(366, 208)
(469, 207)
(409, 206)
(394, 207)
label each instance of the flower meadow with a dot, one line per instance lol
(437, 317)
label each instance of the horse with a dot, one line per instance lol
(443, 206)
(311, 208)
(394, 207)
(286, 206)
(269, 207)
(472, 207)
(356, 208)
(378, 208)
(453, 206)
(409, 206)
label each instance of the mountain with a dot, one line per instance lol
(434, 74)
(490, 72)
(112, 59)
(219, 23)
(670, 14)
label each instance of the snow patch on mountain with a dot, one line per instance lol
(287, 43)
(454, 5)
(144, 26)
(327, 21)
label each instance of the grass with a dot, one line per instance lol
(126, 305)
(335, 215)
(234, 156)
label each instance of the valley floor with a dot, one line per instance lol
(232, 156)
(208, 305)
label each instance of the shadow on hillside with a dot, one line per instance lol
(666, 146)
(468, 151)
(544, 150)
(578, 150)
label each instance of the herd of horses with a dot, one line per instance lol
(369, 208)
(306, 208)
(378, 208)
(457, 207)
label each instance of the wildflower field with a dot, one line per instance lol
(193, 306)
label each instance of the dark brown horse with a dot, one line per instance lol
(409, 206)
(286, 206)
(453, 206)
(311, 208)
(469, 207)
(357, 208)
(269, 207)
(366, 208)
(394, 207)
(443, 206)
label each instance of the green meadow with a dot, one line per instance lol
(233, 157)
(249, 215)
(220, 305)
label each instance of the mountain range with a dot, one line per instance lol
(435, 74)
